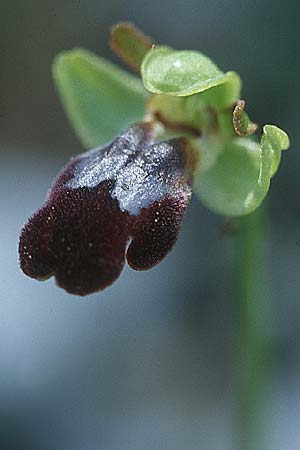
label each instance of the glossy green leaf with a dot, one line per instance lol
(182, 73)
(130, 44)
(233, 179)
(99, 98)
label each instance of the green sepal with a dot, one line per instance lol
(99, 98)
(186, 72)
(233, 178)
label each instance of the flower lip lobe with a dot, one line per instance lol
(155, 232)
(83, 242)
(131, 190)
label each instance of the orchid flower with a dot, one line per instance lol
(183, 127)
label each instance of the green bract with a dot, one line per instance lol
(99, 98)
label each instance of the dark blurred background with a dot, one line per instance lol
(148, 363)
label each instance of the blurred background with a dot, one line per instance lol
(148, 363)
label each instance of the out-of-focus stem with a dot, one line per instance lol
(253, 328)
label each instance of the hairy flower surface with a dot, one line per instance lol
(133, 191)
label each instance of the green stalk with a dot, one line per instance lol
(253, 328)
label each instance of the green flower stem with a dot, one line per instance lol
(253, 328)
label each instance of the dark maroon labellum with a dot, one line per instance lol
(130, 191)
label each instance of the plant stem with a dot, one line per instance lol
(253, 322)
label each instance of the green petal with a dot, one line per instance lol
(241, 123)
(186, 72)
(233, 179)
(99, 98)
(130, 44)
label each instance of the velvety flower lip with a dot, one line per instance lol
(127, 198)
